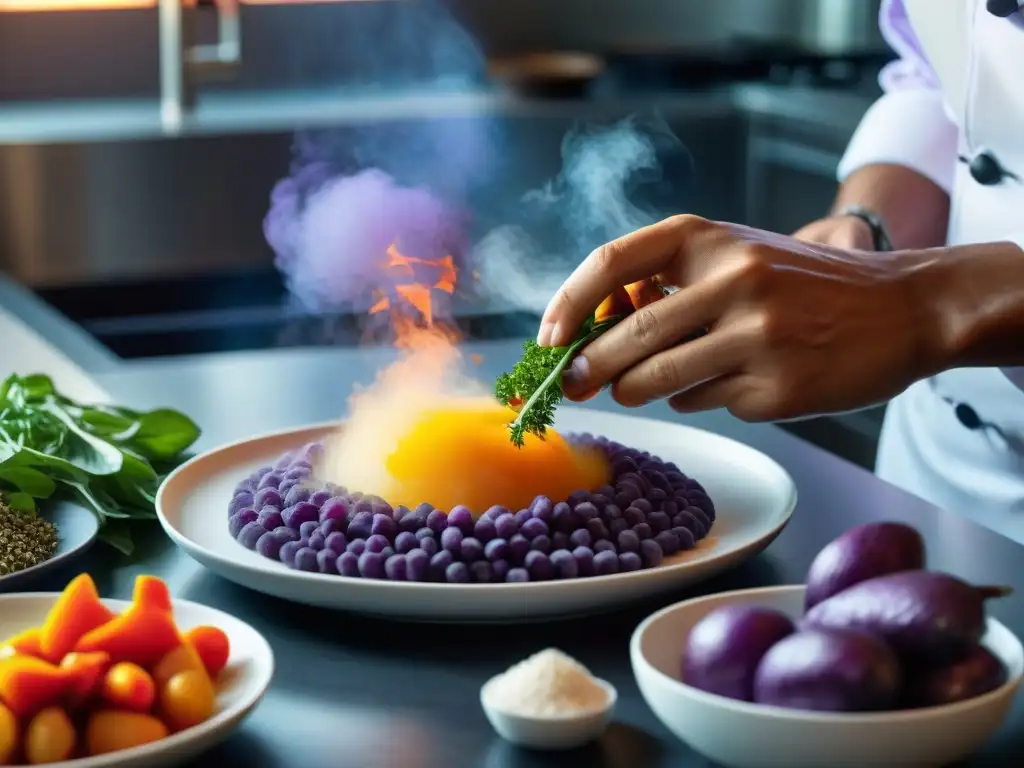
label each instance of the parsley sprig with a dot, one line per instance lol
(534, 385)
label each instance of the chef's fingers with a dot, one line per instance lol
(719, 353)
(709, 395)
(645, 332)
(635, 257)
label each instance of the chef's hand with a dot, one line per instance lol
(793, 328)
(847, 232)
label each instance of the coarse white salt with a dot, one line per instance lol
(547, 684)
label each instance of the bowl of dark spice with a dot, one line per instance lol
(32, 544)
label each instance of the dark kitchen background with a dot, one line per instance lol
(136, 173)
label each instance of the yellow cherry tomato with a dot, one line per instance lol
(188, 699)
(50, 737)
(184, 658)
(111, 730)
(129, 686)
(8, 735)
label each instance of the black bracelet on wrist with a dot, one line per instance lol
(880, 239)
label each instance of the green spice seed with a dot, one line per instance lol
(24, 541)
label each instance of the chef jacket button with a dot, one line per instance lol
(1002, 8)
(985, 169)
(967, 416)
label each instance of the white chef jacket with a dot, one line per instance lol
(955, 93)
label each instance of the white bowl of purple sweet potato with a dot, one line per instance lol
(876, 661)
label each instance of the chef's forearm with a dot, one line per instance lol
(915, 209)
(972, 299)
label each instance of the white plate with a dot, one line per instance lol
(775, 737)
(754, 498)
(239, 688)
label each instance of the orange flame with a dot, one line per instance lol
(411, 294)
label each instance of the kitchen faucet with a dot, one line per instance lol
(183, 63)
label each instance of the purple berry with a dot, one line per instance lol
(501, 569)
(518, 546)
(644, 506)
(659, 521)
(286, 534)
(611, 512)
(305, 560)
(668, 542)
(297, 514)
(494, 513)
(633, 516)
(581, 538)
(439, 564)
(430, 546)
(606, 562)
(460, 517)
(317, 541)
(396, 568)
(356, 547)
(416, 564)
(405, 542)
(421, 534)
(533, 528)
(481, 572)
(271, 480)
(457, 573)
(522, 516)
(495, 549)
(630, 561)
(327, 561)
(308, 528)
(320, 498)
(384, 525)
(517, 576)
(327, 527)
(506, 526)
(685, 537)
(270, 518)
(564, 564)
(360, 526)
(347, 564)
(269, 545)
(336, 541)
(617, 526)
(539, 566)
(541, 544)
(371, 565)
(584, 561)
(240, 502)
(628, 541)
(239, 520)
(471, 549)
(650, 553)
(484, 530)
(643, 530)
(376, 543)
(268, 497)
(559, 540)
(585, 511)
(451, 539)
(334, 508)
(563, 519)
(597, 529)
(250, 534)
(542, 508)
(604, 545)
(437, 521)
(286, 554)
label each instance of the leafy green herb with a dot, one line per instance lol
(109, 459)
(534, 385)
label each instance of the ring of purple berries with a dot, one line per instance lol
(647, 511)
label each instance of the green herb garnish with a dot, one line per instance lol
(534, 384)
(107, 458)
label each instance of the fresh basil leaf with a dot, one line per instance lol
(89, 453)
(103, 507)
(29, 480)
(136, 468)
(164, 433)
(22, 502)
(30, 457)
(117, 535)
(103, 421)
(36, 387)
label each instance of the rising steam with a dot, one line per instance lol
(353, 194)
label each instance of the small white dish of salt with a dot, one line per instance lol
(548, 701)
